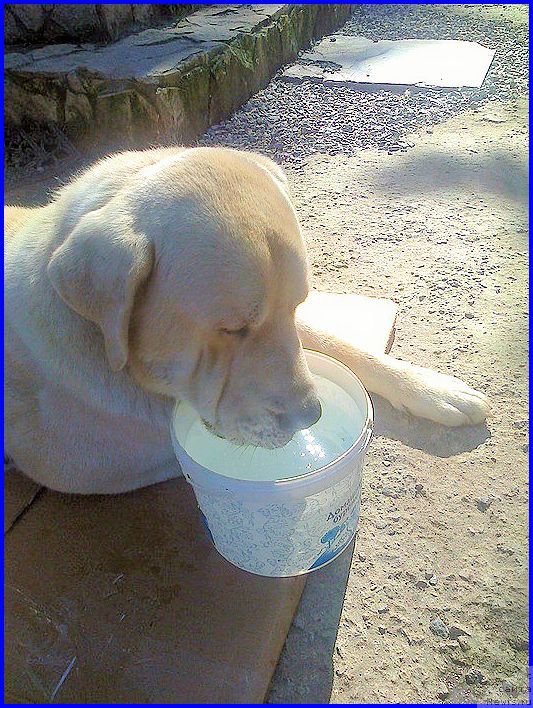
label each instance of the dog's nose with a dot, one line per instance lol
(305, 417)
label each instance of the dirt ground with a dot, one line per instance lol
(442, 230)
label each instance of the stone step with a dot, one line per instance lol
(161, 84)
(37, 24)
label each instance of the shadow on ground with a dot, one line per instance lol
(306, 664)
(420, 434)
(428, 170)
(308, 673)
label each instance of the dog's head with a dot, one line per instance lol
(193, 272)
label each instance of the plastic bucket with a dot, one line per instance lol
(289, 526)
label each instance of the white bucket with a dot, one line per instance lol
(289, 526)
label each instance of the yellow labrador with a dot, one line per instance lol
(163, 274)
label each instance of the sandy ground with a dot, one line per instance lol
(442, 230)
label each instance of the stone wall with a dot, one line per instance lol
(160, 85)
(29, 25)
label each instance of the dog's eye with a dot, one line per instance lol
(242, 332)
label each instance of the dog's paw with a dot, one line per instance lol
(438, 397)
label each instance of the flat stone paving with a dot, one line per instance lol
(151, 52)
(350, 59)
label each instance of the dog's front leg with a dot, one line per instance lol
(422, 392)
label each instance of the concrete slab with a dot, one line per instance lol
(357, 60)
(19, 493)
(359, 321)
(124, 599)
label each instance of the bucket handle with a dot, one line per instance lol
(369, 432)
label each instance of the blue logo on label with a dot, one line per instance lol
(329, 555)
(206, 525)
(331, 536)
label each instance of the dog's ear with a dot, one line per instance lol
(97, 271)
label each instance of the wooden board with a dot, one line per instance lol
(366, 322)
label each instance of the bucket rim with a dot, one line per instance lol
(359, 445)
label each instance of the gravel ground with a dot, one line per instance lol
(433, 607)
(292, 121)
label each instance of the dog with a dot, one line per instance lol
(164, 274)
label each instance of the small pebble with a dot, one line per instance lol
(464, 643)
(382, 629)
(483, 503)
(421, 585)
(380, 524)
(519, 643)
(508, 686)
(442, 691)
(474, 531)
(438, 628)
(474, 676)
(388, 492)
(456, 632)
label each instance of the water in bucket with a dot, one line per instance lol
(337, 429)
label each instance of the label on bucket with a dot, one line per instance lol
(340, 536)
(329, 555)
(283, 539)
(287, 538)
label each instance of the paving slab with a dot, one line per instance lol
(124, 598)
(357, 60)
